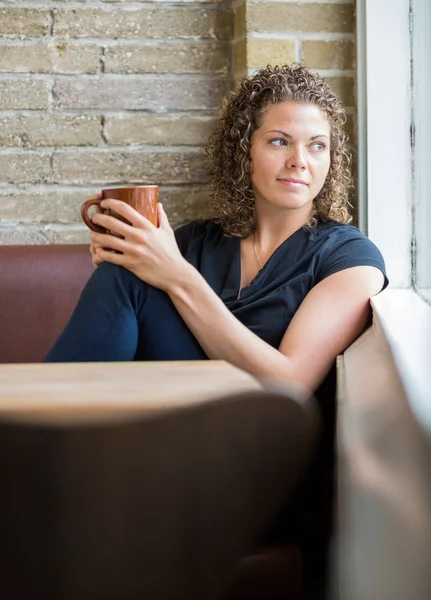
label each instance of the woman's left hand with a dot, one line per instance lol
(150, 252)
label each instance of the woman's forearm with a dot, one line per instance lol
(219, 332)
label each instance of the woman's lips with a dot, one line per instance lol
(293, 183)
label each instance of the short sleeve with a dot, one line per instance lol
(349, 248)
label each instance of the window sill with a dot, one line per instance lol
(404, 318)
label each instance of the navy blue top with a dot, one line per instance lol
(267, 305)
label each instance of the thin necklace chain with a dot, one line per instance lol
(256, 253)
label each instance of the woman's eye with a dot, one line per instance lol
(278, 142)
(319, 146)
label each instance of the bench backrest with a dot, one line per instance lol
(39, 288)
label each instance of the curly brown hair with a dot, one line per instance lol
(241, 113)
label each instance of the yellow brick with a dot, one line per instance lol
(148, 22)
(275, 52)
(171, 57)
(17, 22)
(294, 17)
(328, 55)
(344, 88)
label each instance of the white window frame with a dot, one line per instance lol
(384, 117)
(387, 171)
(394, 134)
(421, 97)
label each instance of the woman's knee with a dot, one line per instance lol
(113, 278)
(115, 272)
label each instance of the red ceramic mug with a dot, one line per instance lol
(143, 198)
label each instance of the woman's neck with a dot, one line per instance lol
(272, 230)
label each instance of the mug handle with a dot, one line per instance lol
(84, 214)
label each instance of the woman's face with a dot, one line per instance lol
(290, 156)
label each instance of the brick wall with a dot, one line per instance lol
(104, 92)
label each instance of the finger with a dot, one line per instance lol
(107, 243)
(94, 251)
(113, 224)
(97, 210)
(93, 248)
(126, 211)
(94, 243)
(96, 196)
(162, 217)
(97, 261)
(112, 257)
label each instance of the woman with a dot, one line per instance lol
(276, 283)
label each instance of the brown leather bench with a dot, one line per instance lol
(39, 287)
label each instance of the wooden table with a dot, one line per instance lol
(65, 391)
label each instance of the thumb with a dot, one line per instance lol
(162, 217)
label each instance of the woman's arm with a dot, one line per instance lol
(330, 318)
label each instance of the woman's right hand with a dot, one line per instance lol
(96, 260)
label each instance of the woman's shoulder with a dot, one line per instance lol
(342, 246)
(332, 235)
(335, 230)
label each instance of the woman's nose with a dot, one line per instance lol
(296, 158)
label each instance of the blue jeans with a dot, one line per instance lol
(121, 318)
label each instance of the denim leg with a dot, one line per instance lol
(121, 318)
